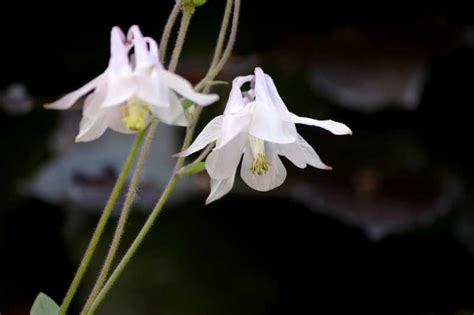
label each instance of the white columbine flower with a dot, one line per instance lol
(133, 89)
(257, 124)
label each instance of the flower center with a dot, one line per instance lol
(259, 165)
(135, 114)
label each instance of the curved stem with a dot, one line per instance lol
(129, 199)
(136, 243)
(212, 73)
(179, 163)
(204, 153)
(222, 33)
(167, 31)
(183, 29)
(101, 225)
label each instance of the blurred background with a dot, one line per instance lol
(390, 230)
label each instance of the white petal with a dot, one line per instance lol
(261, 90)
(154, 51)
(119, 63)
(236, 102)
(209, 134)
(335, 127)
(114, 121)
(152, 91)
(143, 58)
(93, 103)
(233, 125)
(292, 152)
(148, 89)
(310, 156)
(119, 89)
(269, 126)
(172, 114)
(185, 89)
(219, 188)
(91, 129)
(275, 176)
(273, 93)
(222, 163)
(69, 99)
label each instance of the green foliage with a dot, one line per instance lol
(44, 305)
(193, 169)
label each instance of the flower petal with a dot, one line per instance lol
(143, 58)
(119, 63)
(93, 103)
(261, 90)
(275, 176)
(335, 127)
(209, 134)
(220, 187)
(114, 121)
(268, 125)
(70, 99)
(273, 93)
(185, 89)
(222, 163)
(152, 91)
(236, 101)
(91, 129)
(292, 152)
(172, 114)
(234, 124)
(310, 156)
(119, 89)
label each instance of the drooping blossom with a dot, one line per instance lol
(257, 124)
(133, 90)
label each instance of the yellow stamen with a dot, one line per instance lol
(259, 165)
(135, 114)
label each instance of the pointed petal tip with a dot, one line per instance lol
(211, 199)
(178, 155)
(208, 99)
(135, 31)
(258, 70)
(51, 106)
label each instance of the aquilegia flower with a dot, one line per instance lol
(132, 90)
(257, 124)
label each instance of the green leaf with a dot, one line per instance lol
(44, 305)
(193, 168)
(199, 3)
(186, 103)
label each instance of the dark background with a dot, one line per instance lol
(255, 253)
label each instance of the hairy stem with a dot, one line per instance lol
(101, 225)
(179, 163)
(183, 29)
(129, 199)
(213, 72)
(168, 28)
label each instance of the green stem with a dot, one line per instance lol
(179, 163)
(136, 243)
(204, 153)
(213, 72)
(222, 33)
(183, 29)
(167, 31)
(101, 225)
(129, 199)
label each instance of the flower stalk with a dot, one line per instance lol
(129, 199)
(101, 225)
(179, 163)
